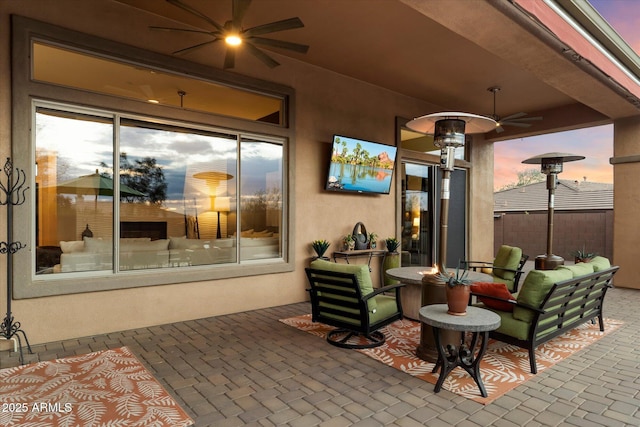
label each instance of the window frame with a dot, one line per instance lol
(25, 94)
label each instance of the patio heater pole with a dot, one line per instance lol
(14, 195)
(551, 165)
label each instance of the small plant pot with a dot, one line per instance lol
(458, 299)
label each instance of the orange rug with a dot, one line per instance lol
(503, 367)
(105, 388)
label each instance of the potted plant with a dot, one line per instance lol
(392, 244)
(457, 291)
(373, 240)
(581, 255)
(391, 259)
(349, 242)
(320, 247)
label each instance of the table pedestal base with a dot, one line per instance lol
(466, 355)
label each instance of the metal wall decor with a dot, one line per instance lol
(12, 194)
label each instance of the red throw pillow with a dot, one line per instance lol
(494, 289)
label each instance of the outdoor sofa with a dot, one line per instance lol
(549, 303)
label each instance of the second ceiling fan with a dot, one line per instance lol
(517, 119)
(236, 37)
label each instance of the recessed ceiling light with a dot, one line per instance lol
(233, 40)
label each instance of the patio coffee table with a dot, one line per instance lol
(468, 353)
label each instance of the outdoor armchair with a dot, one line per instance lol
(506, 268)
(342, 295)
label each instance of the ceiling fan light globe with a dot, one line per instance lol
(233, 40)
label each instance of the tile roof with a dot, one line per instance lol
(570, 195)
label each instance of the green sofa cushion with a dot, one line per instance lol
(361, 272)
(577, 270)
(507, 257)
(535, 287)
(513, 327)
(600, 263)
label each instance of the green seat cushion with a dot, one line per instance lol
(507, 257)
(387, 307)
(513, 327)
(600, 263)
(361, 271)
(535, 288)
(577, 270)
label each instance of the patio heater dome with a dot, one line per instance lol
(448, 128)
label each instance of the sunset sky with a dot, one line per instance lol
(596, 144)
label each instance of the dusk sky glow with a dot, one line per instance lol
(596, 144)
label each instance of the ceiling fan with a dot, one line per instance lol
(236, 37)
(517, 119)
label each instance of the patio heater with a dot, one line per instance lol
(448, 130)
(551, 165)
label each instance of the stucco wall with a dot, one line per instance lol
(481, 199)
(626, 199)
(326, 103)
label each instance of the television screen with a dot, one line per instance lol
(360, 166)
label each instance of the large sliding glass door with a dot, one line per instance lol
(421, 214)
(417, 214)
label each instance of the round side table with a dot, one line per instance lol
(468, 353)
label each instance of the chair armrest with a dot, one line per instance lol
(474, 265)
(509, 301)
(383, 289)
(508, 269)
(485, 263)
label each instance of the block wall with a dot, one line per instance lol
(592, 230)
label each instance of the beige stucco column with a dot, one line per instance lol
(626, 200)
(481, 199)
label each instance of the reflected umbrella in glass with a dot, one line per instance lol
(95, 184)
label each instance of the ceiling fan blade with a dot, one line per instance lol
(281, 44)
(516, 124)
(195, 12)
(285, 24)
(499, 128)
(184, 30)
(192, 48)
(229, 58)
(239, 7)
(266, 59)
(514, 116)
(525, 119)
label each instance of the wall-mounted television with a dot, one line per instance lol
(360, 166)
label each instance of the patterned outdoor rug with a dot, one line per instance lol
(503, 367)
(105, 388)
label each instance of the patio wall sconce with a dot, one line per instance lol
(550, 165)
